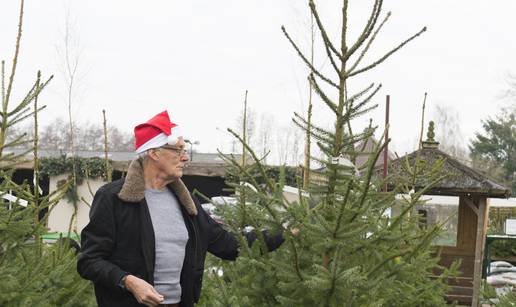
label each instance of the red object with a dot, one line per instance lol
(158, 124)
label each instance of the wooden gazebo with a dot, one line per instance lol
(473, 190)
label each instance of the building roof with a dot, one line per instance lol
(201, 164)
(461, 179)
(365, 151)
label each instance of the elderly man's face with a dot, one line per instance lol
(173, 159)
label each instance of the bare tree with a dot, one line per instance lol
(448, 132)
(89, 137)
(247, 119)
(296, 155)
(308, 140)
(119, 140)
(282, 137)
(266, 128)
(69, 56)
(250, 124)
(510, 92)
(69, 53)
(55, 135)
(288, 141)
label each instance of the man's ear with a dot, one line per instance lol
(154, 154)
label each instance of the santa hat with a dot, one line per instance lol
(156, 132)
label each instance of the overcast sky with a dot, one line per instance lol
(197, 58)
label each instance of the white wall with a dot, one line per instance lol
(61, 213)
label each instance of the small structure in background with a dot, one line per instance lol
(365, 149)
(206, 174)
(473, 190)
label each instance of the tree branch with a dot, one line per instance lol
(388, 54)
(312, 68)
(371, 22)
(326, 40)
(15, 58)
(321, 94)
(369, 43)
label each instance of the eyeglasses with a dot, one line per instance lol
(178, 151)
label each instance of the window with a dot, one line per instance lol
(436, 210)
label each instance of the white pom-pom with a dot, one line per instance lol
(175, 134)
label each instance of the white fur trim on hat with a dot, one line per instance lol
(175, 134)
(157, 141)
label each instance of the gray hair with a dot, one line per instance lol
(143, 156)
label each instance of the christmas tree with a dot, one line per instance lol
(341, 248)
(33, 273)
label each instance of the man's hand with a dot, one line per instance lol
(143, 291)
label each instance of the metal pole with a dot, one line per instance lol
(191, 151)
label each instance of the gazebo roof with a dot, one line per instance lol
(461, 179)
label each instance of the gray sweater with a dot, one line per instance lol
(171, 236)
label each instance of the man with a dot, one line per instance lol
(147, 238)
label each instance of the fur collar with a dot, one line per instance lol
(133, 189)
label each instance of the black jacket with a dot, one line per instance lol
(119, 240)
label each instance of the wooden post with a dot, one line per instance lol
(479, 248)
(386, 149)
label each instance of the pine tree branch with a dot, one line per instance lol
(3, 81)
(387, 55)
(326, 40)
(370, 171)
(29, 93)
(327, 150)
(323, 134)
(302, 56)
(342, 206)
(15, 121)
(369, 43)
(344, 32)
(15, 58)
(19, 114)
(367, 99)
(334, 270)
(361, 93)
(321, 94)
(36, 89)
(371, 22)
(242, 170)
(267, 202)
(5, 102)
(355, 114)
(425, 240)
(315, 135)
(413, 202)
(371, 131)
(382, 263)
(17, 141)
(296, 261)
(10, 160)
(348, 144)
(325, 37)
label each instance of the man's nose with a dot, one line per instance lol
(185, 158)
